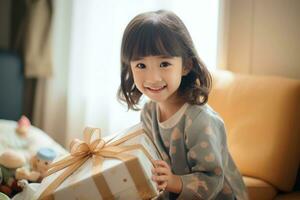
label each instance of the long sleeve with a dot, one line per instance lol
(204, 156)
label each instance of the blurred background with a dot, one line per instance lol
(60, 60)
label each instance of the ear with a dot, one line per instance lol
(186, 68)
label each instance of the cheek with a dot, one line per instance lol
(175, 79)
(176, 82)
(138, 80)
(136, 74)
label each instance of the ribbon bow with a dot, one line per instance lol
(97, 149)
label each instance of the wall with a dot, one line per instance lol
(5, 24)
(262, 37)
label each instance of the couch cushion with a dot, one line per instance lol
(291, 196)
(261, 115)
(258, 189)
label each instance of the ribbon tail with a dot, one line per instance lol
(139, 147)
(52, 187)
(116, 151)
(125, 138)
(63, 163)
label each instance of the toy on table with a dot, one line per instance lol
(10, 160)
(28, 190)
(23, 126)
(39, 165)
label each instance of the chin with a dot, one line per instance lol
(157, 100)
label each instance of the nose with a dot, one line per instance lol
(153, 76)
(154, 79)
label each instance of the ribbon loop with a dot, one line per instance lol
(89, 132)
(97, 145)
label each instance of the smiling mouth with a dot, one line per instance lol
(156, 89)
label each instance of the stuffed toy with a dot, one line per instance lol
(10, 160)
(28, 190)
(39, 165)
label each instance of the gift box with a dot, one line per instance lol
(115, 167)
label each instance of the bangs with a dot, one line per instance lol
(152, 39)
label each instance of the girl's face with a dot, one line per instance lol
(158, 77)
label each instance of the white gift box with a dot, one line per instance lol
(125, 180)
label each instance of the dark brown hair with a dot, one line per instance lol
(162, 33)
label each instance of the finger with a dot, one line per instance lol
(161, 171)
(162, 186)
(161, 163)
(153, 171)
(160, 179)
(156, 163)
(156, 170)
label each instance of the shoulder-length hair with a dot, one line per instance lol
(162, 33)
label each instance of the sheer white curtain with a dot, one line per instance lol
(94, 59)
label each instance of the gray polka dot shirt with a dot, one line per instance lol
(193, 143)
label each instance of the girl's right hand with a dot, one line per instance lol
(164, 177)
(159, 176)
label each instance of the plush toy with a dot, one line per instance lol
(9, 161)
(39, 166)
(28, 190)
(23, 126)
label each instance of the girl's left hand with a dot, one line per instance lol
(164, 177)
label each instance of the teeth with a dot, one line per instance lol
(157, 88)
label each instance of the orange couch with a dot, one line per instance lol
(262, 118)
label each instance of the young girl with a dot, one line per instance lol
(159, 60)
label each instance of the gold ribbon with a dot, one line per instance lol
(97, 149)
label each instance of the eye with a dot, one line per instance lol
(165, 64)
(141, 66)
